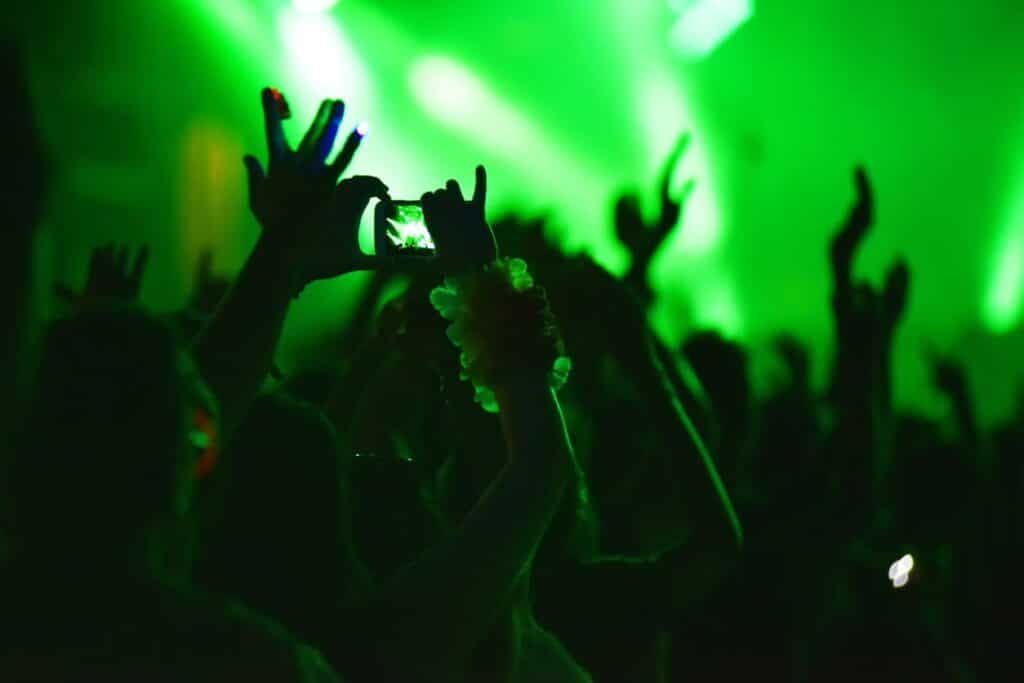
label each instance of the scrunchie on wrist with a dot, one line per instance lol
(504, 327)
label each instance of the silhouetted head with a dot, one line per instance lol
(721, 366)
(282, 542)
(107, 453)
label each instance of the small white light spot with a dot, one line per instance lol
(899, 571)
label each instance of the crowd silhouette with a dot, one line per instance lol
(499, 474)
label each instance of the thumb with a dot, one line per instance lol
(255, 174)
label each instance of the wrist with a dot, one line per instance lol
(284, 256)
(504, 327)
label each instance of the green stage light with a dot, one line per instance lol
(703, 25)
(313, 6)
(1004, 296)
(322, 63)
(664, 115)
(1002, 306)
(459, 99)
(715, 304)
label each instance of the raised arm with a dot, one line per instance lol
(22, 204)
(439, 608)
(950, 378)
(302, 212)
(866, 321)
(641, 239)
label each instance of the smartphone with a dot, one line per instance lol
(400, 231)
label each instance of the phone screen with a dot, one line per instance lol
(401, 230)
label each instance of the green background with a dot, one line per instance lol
(149, 106)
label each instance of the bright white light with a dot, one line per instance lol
(363, 129)
(323, 64)
(899, 571)
(1003, 305)
(703, 25)
(455, 95)
(313, 6)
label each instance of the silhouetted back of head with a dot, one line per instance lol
(283, 541)
(722, 367)
(104, 453)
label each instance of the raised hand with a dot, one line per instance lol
(113, 274)
(337, 251)
(292, 196)
(796, 357)
(463, 237)
(643, 240)
(629, 224)
(848, 239)
(949, 376)
(671, 208)
(895, 294)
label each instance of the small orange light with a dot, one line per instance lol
(210, 449)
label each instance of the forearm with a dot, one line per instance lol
(711, 500)
(235, 350)
(445, 602)
(687, 388)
